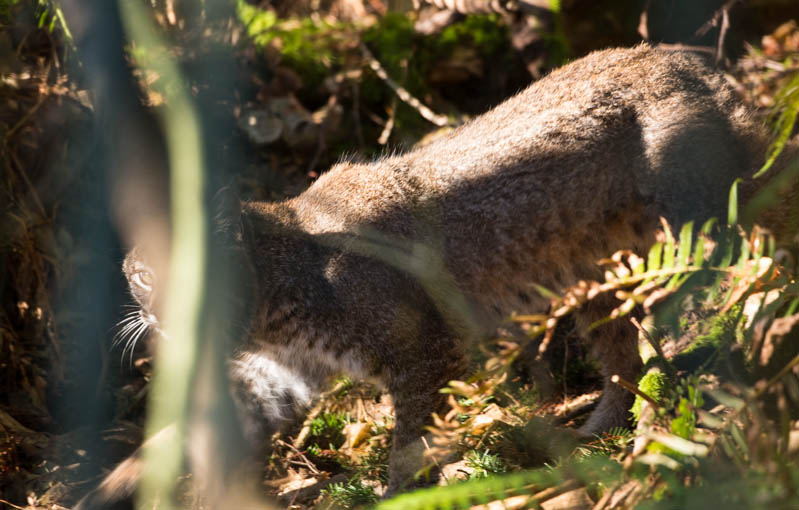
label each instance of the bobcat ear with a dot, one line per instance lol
(226, 208)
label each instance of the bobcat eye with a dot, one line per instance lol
(143, 279)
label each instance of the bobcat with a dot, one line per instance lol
(389, 269)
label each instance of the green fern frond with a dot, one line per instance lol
(785, 115)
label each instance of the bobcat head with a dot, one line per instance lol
(146, 286)
(141, 317)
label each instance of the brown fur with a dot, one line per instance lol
(388, 269)
(397, 263)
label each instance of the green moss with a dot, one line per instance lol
(654, 384)
(392, 39)
(400, 51)
(306, 46)
(484, 32)
(258, 21)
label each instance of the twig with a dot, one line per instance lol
(714, 20)
(551, 323)
(605, 499)
(12, 505)
(564, 372)
(433, 458)
(321, 142)
(386, 133)
(54, 56)
(576, 410)
(402, 93)
(304, 461)
(654, 343)
(25, 118)
(725, 25)
(552, 492)
(524, 500)
(643, 22)
(374, 117)
(686, 47)
(485, 434)
(20, 169)
(627, 385)
(771, 382)
(757, 394)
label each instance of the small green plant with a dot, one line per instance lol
(783, 117)
(684, 425)
(484, 32)
(49, 16)
(374, 465)
(311, 48)
(351, 494)
(484, 463)
(327, 430)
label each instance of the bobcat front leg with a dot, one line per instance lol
(416, 396)
(412, 414)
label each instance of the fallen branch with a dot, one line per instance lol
(627, 385)
(402, 93)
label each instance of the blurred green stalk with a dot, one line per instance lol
(173, 373)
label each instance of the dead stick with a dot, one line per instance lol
(627, 385)
(654, 343)
(725, 25)
(389, 126)
(12, 505)
(25, 118)
(552, 492)
(605, 499)
(714, 20)
(402, 93)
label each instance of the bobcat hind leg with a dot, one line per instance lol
(615, 346)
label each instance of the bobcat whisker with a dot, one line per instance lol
(130, 345)
(130, 318)
(124, 348)
(125, 323)
(121, 335)
(125, 318)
